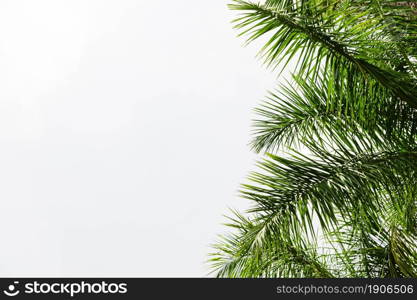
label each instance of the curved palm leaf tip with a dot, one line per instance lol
(336, 195)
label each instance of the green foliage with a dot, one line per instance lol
(336, 194)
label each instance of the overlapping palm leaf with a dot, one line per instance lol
(336, 195)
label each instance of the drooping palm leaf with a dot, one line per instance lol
(341, 200)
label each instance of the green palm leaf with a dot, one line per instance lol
(336, 194)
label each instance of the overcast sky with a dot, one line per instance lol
(124, 127)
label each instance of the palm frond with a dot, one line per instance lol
(336, 195)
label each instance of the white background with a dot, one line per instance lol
(123, 134)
